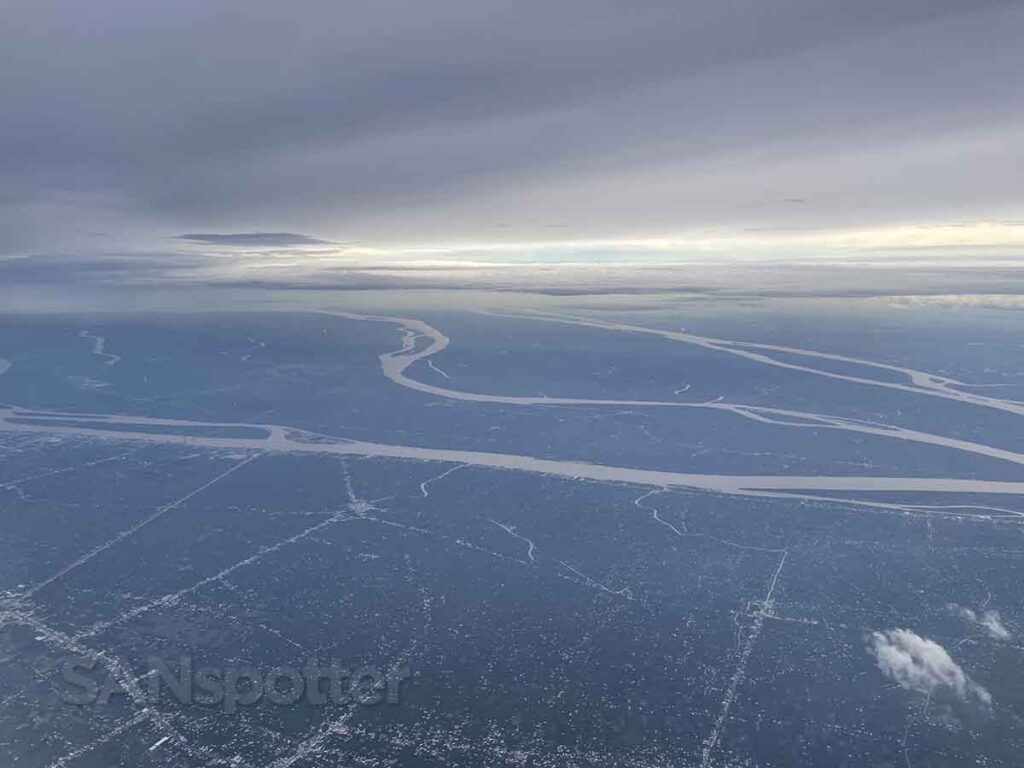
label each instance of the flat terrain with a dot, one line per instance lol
(690, 537)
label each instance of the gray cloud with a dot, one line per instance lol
(50, 268)
(918, 664)
(259, 239)
(400, 121)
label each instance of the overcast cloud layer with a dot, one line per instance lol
(388, 124)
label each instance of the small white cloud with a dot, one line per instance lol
(919, 664)
(990, 621)
(993, 624)
(963, 612)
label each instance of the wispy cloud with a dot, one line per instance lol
(253, 239)
(916, 663)
(71, 269)
(988, 620)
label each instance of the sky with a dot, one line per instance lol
(265, 141)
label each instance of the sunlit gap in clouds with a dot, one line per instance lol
(977, 244)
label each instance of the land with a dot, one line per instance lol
(593, 540)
